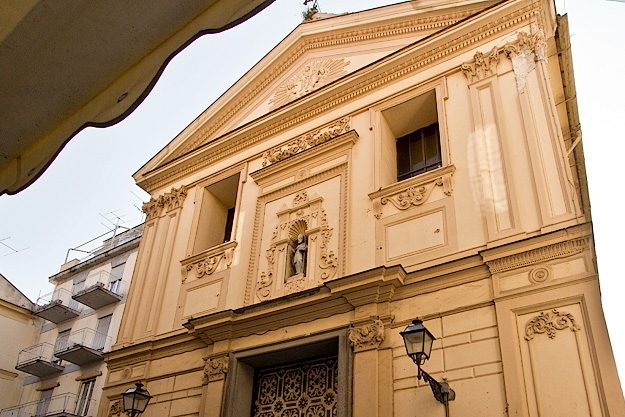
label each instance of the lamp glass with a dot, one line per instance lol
(418, 341)
(136, 399)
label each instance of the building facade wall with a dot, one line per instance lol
(491, 248)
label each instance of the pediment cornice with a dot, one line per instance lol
(442, 45)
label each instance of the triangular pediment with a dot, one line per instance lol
(314, 55)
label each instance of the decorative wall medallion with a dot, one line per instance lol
(314, 75)
(367, 337)
(116, 409)
(483, 65)
(307, 140)
(215, 369)
(172, 200)
(550, 322)
(534, 256)
(539, 274)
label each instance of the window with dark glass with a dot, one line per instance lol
(418, 152)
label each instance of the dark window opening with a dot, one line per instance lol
(418, 152)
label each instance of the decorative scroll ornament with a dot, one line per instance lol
(417, 195)
(557, 250)
(300, 198)
(367, 337)
(263, 286)
(116, 409)
(307, 140)
(215, 369)
(328, 261)
(314, 75)
(209, 265)
(483, 65)
(549, 323)
(172, 200)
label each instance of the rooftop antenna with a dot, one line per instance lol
(137, 207)
(13, 251)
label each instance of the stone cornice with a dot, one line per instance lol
(416, 57)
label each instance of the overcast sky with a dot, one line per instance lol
(92, 176)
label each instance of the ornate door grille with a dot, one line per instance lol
(302, 389)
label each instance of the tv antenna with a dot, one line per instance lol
(13, 250)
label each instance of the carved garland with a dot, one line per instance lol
(550, 322)
(172, 200)
(306, 141)
(367, 337)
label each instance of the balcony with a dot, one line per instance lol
(39, 360)
(81, 347)
(62, 405)
(100, 290)
(57, 306)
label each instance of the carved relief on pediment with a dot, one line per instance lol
(299, 255)
(315, 74)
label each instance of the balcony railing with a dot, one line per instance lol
(39, 360)
(59, 405)
(99, 290)
(57, 306)
(82, 346)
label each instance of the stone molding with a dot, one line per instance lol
(207, 262)
(415, 63)
(368, 336)
(553, 251)
(413, 192)
(171, 200)
(313, 75)
(215, 369)
(550, 322)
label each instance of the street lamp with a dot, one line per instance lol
(136, 400)
(418, 340)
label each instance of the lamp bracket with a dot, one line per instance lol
(442, 392)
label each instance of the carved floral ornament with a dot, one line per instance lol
(524, 52)
(367, 337)
(210, 261)
(315, 74)
(307, 140)
(171, 201)
(215, 369)
(549, 323)
(116, 409)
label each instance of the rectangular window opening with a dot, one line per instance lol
(217, 214)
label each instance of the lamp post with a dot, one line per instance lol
(418, 340)
(136, 400)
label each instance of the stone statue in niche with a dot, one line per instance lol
(299, 255)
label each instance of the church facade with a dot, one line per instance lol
(420, 159)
